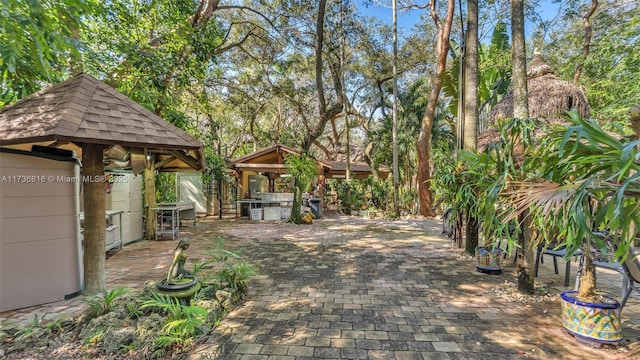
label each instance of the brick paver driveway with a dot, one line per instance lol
(350, 288)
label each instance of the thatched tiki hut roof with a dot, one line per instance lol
(549, 98)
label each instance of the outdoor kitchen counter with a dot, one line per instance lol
(170, 217)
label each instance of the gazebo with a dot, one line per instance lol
(271, 160)
(105, 129)
(268, 164)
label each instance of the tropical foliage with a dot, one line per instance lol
(233, 272)
(142, 324)
(38, 40)
(494, 71)
(184, 322)
(587, 182)
(104, 302)
(303, 170)
(609, 73)
(470, 184)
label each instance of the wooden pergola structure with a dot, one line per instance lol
(105, 129)
(270, 162)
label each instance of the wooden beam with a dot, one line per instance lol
(59, 143)
(176, 169)
(182, 156)
(263, 166)
(164, 162)
(94, 219)
(150, 195)
(187, 159)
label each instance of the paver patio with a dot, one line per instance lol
(352, 288)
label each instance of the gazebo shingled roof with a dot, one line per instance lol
(83, 109)
(270, 159)
(548, 96)
(87, 116)
(269, 156)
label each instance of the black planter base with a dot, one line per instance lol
(186, 282)
(585, 341)
(488, 271)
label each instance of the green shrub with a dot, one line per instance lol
(184, 323)
(103, 303)
(234, 272)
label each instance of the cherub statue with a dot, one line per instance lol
(177, 271)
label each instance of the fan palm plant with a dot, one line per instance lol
(587, 181)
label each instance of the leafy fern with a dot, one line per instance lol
(184, 322)
(103, 303)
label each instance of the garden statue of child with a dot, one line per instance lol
(177, 271)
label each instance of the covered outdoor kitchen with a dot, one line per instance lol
(76, 157)
(264, 184)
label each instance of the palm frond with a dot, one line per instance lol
(549, 197)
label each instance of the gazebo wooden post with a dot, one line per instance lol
(94, 218)
(150, 195)
(321, 191)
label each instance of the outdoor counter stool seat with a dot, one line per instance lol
(549, 250)
(615, 266)
(631, 275)
(630, 270)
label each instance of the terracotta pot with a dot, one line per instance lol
(591, 323)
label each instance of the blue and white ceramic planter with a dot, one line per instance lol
(600, 323)
(489, 260)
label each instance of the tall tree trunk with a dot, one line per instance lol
(322, 102)
(471, 112)
(345, 103)
(394, 135)
(296, 206)
(210, 200)
(525, 260)
(323, 117)
(586, 24)
(94, 212)
(519, 60)
(424, 139)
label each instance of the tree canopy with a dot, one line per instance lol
(244, 75)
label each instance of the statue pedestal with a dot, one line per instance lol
(180, 289)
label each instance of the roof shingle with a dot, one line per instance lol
(86, 110)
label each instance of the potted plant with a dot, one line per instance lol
(469, 183)
(448, 184)
(588, 181)
(362, 207)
